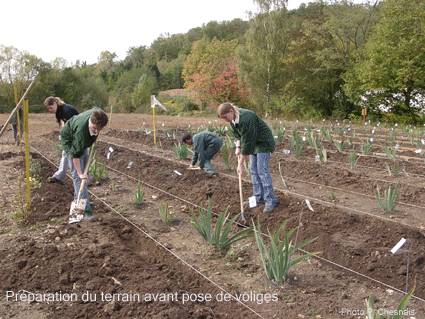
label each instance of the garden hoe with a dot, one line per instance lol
(242, 219)
(76, 213)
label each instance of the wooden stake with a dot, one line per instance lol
(27, 156)
(110, 117)
(153, 124)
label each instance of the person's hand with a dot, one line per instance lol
(82, 176)
(240, 163)
(237, 151)
(239, 169)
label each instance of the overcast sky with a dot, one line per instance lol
(81, 29)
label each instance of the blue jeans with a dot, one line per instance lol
(210, 152)
(208, 167)
(76, 179)
(262, 185)
(63, 167)
(15, 131)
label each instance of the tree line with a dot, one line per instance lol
(324, 59)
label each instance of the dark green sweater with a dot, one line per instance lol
(254, 134)
(205, 144)
(75, 135)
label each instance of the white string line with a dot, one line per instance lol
(378, 137)
(349, 191)
(328, 204)
(357, 165)
(368, 178)
(157, 188)
(159, 243)
(287, 159)
(330, 161)
(361, 131)
(302, 196)
(266, 235)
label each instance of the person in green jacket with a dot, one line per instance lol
(254, 140)
(78, 134)
(205, 145)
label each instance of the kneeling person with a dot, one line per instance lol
(78, 134)
(205, 146)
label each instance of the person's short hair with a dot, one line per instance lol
(225, 108)
(99, 118)
(186, 137)
(52, 99)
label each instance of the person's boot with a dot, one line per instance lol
(88, 216)
(53, 179)
(268, 208)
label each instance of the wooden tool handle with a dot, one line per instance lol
(240, 184)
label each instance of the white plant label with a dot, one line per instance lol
(275, 137)
(309, 205)
(304, 138)
(373, 131)
(371, 139)
(418, 151)
(130, 164)
(423, 141)
(108, 156)
(252, 201)
(178, 173)
(398, 245)
(397, 147)
(317, 158)
(286, 152)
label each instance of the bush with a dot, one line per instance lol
(280, 255)
(220, 235)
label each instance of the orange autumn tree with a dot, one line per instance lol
(211, 71)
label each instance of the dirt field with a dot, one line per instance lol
(129, 253)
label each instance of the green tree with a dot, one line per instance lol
(145, 88)
(391, 68)
(124, 88)
(17, 69)
(266, 45)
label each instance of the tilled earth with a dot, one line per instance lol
(106, 256)
(110, 256)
